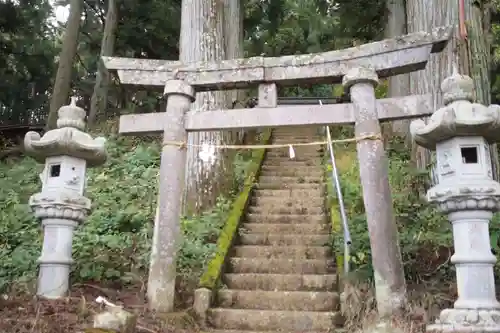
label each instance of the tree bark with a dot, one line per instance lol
(202, 27)
(470, 55)
(99, 98)
(62, 84)
(398, 85)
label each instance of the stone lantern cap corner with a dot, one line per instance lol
(67, 139)
(459, 117)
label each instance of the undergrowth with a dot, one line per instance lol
(425, 234)
(113, 244)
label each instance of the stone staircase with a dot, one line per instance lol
(281, 273)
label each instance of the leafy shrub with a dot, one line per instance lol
(425, 234)
(113, 244)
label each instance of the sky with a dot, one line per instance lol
(60, 12)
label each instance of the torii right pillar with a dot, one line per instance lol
(460, 133)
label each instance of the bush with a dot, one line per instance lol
(425, 234)
(113, 244)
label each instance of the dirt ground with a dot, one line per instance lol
(27, 314)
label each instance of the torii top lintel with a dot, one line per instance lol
(388, 57)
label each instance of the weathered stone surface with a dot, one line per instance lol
(293, 186)
(298, 252)
(202, 302)
(461, 132)
(67, 151)
(388, 109)
(115, 319)
(279, 274)
(466, 321)
(280, 239)
(281, 282)
(279, 218)
(304, 228)
(388, 57)
(273, 201)
(459, 116)
(390, 283)
(296, 209)
(278, 300)
(162, 272)
(281, 266)
(68, 139)
(287, 193)
(247, 331)
(274, 320)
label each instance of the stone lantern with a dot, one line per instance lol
(67, 152)
(460, 133)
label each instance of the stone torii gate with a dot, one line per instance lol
(358, 68)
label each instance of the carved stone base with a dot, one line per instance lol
(466, 321)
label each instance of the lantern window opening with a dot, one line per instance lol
(470, 155)
(55, 170)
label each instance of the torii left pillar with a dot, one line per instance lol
(162, 270)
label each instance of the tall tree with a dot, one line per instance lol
(469, 50)
(99, 98)
(27, 52)
(62, 84)
(202, 39)
(398, 85)
(233, 48)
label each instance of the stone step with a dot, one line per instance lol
(286, 228)
(291, 218)
(286, 210)
(297, 158)
(278, 300)
(296, 148)
(246, 331)
(290, 192)
(284, 139)
(297, 252)
(284, 240)
(280, 266)
(289, 163)
(297, 168)
(308, 201)
(291, 180)
(302, 152)
(280, 172)
(277, 185)
(267, 320)
(297, 130)
(281, 282)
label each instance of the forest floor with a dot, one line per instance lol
(26, 314)
(74, 314)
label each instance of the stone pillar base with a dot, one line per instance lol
(202, 300)
(466, 321)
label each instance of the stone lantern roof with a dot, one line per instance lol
(68, 139)
(459, 117)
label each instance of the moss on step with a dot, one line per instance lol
(212, 274)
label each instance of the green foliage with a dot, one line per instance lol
(423, 231)
(27, 52)
(113, 244)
